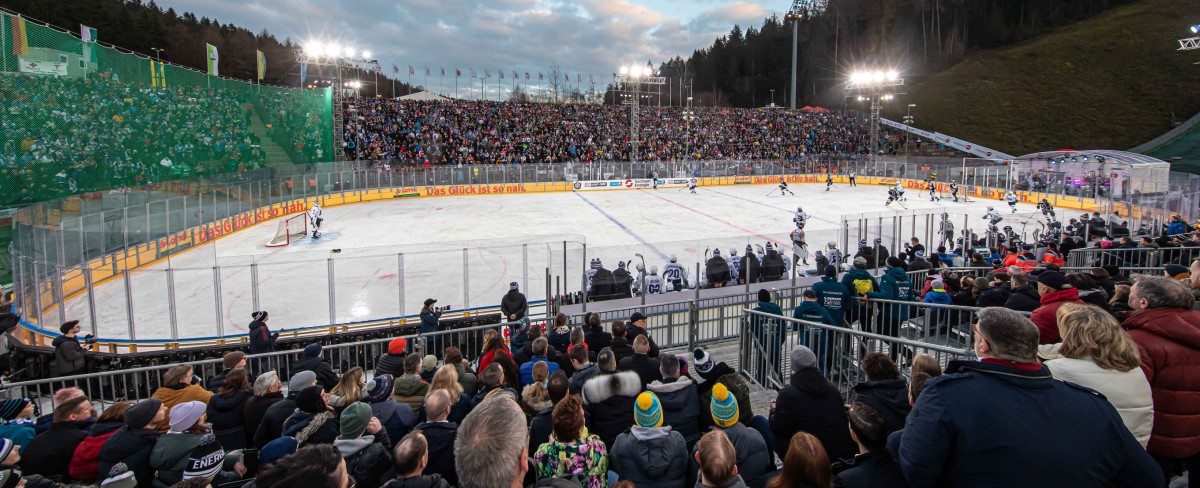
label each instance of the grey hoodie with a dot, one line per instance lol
(650, 457)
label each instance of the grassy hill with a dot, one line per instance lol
(1112, 82)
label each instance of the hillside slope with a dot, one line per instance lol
(1113, 81)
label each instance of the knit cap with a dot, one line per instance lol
(354, 420)
(232, 359)
(396, 347)
(142, 413)
(302, 380)
(185, 415)
(276, 450)
(205, 460)
(803, 357)
(937, 285)
(312, 350)
(10, 409)
(647, 410)
(428, 362)
(831, 271)
(379, 389)
(894, 262)
(1177, 271)
(309, 400)
(119, 477)
(703, 361)
(724, 406)
(10, 478)
(6, 448)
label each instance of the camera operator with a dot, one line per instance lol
(68, 352)
(429, 322)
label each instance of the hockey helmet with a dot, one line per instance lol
(799, 209)
(733, 251)
(595, 263)
(990, 208)
(673, 258)
(621, 264)
(716, 252)
(770, 246)
(878, 241)
(653, 269)
(1008, 228)
(831, 244)
(862, 243)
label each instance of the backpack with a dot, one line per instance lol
(863, 286)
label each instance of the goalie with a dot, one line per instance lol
(314, 220)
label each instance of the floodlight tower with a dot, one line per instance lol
(633, 77)
(1191, 42)
(801, 9)
(875, 86)
(319, 53)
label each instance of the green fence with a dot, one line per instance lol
(81, 117)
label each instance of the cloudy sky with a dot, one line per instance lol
(583, 36)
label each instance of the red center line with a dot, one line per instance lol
(730, 224)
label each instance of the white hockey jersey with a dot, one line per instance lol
(946, 226)
(801, 218)
(993, 216)
(1011, 197)
(674, 273)
(654, 285)
(314, 213)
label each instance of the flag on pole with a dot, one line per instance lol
(457, 72)
(501, 74)
(473, 73)
(304, 71)
(443, 71)
(411, 71)
(262, 65)
(395, 69)
(88, 34)
(487, 73)
(540, 78)
(515, 75)
(426, 71)
(20, 42)
(214, 60)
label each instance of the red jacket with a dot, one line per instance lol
(86, 462)
(487, 359)
(1168, 340)
(1046, 316)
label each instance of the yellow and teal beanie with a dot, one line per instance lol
(724, 406)
(647, 410)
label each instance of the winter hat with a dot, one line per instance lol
(683, 364)
(301, 380)
(770, 246)
(428, 362)
(354, 420)
(312, 350)
(10, 478)
(703, 361)
(309, 400)
(258, 315)
(803, 357)
(142, 413)
(1178, 272)
(647, 410)
(831, 271)
(380, 388)
(185, 415)
(10, 409)
(716, 252)
(982, 284)
(749, 249)
(894, 262)
(860, 262)
(119, 477)
(276, 449)
(937, 285)
(1053, 279)
(68, 325)
(205, 460)
(396, 347)
(232, 359)
(6, 448)
(764, 295)
(512, 285)
(724, 406)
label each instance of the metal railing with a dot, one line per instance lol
(1140, 256)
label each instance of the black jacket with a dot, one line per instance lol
(325, 375)
(262, 340)
(271, 427)
(298, 421)
(623, 283)
(228, 418)
(645, 366)
(132, 447)
(513, 303)
(440, 436)
(255, 410)
(50, 453)
(632, 331)
(392, 364)
(603, 285)
(722, 373)
(620, 348)
(1023, 299)
(717, 271)
(597, 340)
(367, 458)
(215, 383)
(68, 357)
(749, 272)
(423, 481)
(889, 398)
(540, 428)
(992, 297)
(680, 402)
(608, 400)
(812, 404)
(870, 470)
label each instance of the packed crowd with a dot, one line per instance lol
(452, 132)
(295, 117)
(63, 136)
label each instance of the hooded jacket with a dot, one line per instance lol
(812, 404)
(309, 429)
(255, 411)
(753, 455)
(228, 418)
(397, 419)
(262, 340)
(608, 401)
(170, 458)
(68, 357)
(680, 400)
(367, 458)
(325, 375)
(857, 274)
(85, 463)
(132, 447)
(50, 453)
(722, 373)
(894, 285)
(513, 303)
(1024, 299)
(1169, 342)
(834, 296)
(651, 457)
(1046, 316)
(889, 398)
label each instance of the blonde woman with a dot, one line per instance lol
(446, 378)
(1097, 353)
(536, 394)
(351, 388)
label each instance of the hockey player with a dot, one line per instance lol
(692, 187)
(1047, 209)
(828, 182)
(893, 195)
(748, 271)
(622, 282)
(783, 188)
(1012, 200)
(716, 270)
(654, 282)
(954, 191)
(773, 265)
(932, 191)
(801, 218)
(992, 216)
(866, 252)
(654, 179)
(946, 228)
(675, 275)
(315, 220)
(900, 192)
(834, 255)
(591, 273)
(735, 267)
(799, 248)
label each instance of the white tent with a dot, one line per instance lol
(425, 97)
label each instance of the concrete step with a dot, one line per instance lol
(275, 153)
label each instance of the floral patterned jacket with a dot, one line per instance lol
(584, 458)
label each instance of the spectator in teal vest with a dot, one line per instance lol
(832, 295)
(818, 339)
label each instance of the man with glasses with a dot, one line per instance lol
(49, 454)
(1005, 421)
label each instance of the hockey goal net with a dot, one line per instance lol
(289, 228)
(966, 191)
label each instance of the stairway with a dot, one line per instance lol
(275, 153)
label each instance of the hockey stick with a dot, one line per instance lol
(772, 191)
(639, 256)
(759, 248)
(706, 249)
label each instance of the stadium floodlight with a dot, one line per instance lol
(647, 71)
(624, 70)
(349, 52)
(1196, 29)
(366, 54)
(313, 48)
(892, 75)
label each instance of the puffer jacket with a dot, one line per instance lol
(1169, 342)
(1046, 316)
(753, 456)
(1128, 391)
(228, 419)
(1024, 299)
(722, 373)
(608, 401)
(651, 457)
(68, 357)
(889, 398)
(368, 458)
(132, 447)
(812, 404)
(392, 364)
(170, 458)
(680, 400)
(85, 462)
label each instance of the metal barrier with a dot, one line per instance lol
(1149, 257)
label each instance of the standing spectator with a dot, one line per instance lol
(608, 398)
(1096, 353)
(641, 363)
(806, 464)
(486, 453)
(620, 347)
(232, 360)
(272, 422)
(364, 445)
(821, 340)
(1024, 297)
(442, 435)
(397, 419)
(894, 285)
(262, 340)
(543, 422)
(769, 333)
(466, 377)
(832, 295)
(226, 410)
(717, 459)
(410, 388)
(973, 425)
(637, 327)
(133, 442)
(859, 283)
(1056, 291)
(49, 454)
(84, 463)
(313, 422)
(188, 431)
(651, 453)
(539, 355)
(392, 361)
(180, 385)
(679, 398)
(1167, 332)
(884, 391)
(812, 404)
(267, 390)
(68, 353)
(753, 454)
(311, 360)
(515, 309)
(584, 369)
(873, 467)
(430, 316)
(16, 424)
(411, 458)
(571, 452)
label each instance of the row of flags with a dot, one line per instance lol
(487, 73)
(214, 59)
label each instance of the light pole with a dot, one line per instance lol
(331, 54)
(874, 86)
(908, 120)
(688, 117)
(158, 53)
(800, 10)
(634, 77)
(772, 97)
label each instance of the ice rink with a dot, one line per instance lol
(392, 255)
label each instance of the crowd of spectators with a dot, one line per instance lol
(466, 132)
